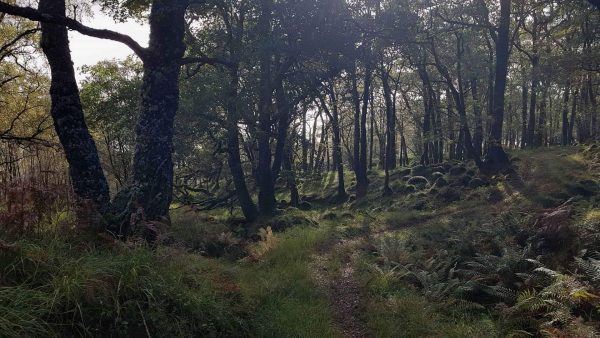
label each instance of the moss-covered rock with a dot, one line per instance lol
(419, 170)
(439, 168)
(436, 175)
(291, 217)
(330, 215)
(448, 195)
(476, 182)
(440, 182)
(457, 170)
(305, 205)
(418, 182)
(408, 189)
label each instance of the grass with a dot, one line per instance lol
(211, 278)
(282, 291)
(53, 287)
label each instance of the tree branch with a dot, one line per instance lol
(35, 15)
(205, 60)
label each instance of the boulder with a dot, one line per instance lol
(440, 182)
(457, 170)
(418, 182)
(305, 205)
(448, 195)
(419, 170)
(476, 182)
(436, 175)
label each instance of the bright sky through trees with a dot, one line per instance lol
(89, 51)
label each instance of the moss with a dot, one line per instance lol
(440, 182)
(419, 182)
(476, 182)
(457, 170)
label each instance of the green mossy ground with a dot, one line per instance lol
(458, 260)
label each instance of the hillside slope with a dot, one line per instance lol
(451, 253)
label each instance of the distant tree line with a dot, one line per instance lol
(236, 97)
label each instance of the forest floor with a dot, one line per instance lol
(461, 256)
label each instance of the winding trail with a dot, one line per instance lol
(342, 290)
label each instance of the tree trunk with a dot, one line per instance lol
(524, 115)
(284, 112)
(496, 157)
(87, 177)
(266, 194)
(233, 150)
(337, 146)
(572, 117)
(362, 182)
(153, 163)
(390, 115)
(477, 109)
(356, 104)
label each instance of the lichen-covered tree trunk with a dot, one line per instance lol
(153, 163)
(88, 180)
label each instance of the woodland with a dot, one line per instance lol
(301, 168)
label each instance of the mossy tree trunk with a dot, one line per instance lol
(153, 163)
(87, 177)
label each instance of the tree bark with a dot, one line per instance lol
(153, 163)
(390, 147)
(266, 194)
(362, 182)
(524, 115)
(233, 150)
(87, 177)
(496, 158)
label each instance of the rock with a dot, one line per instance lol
(418, 182)
(476, 182)
(404, 172)
(440, 182)
(305, 205)
(440, 169)
(448, 195)
(460, 181)
(457, 170)
(329, 216)
(436, 175)
(347, 215)
(494, 195)
(585, 190)
(419, 170)
(408, 189)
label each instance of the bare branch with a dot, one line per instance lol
(35, 15)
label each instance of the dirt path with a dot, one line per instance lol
(343, 292)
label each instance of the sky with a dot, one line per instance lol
(86, 50)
